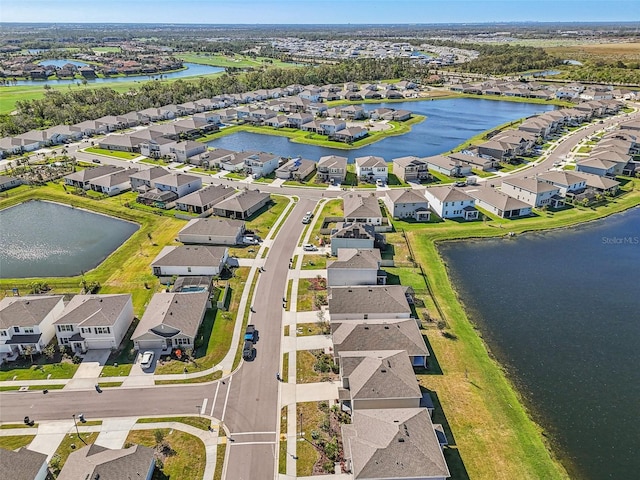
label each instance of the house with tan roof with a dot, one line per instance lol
(567, 181)
(171, 320)
(411, 169)
(532, 191)
(96, 462)
(332, 169)
(189, 260)
(212, 231)
(372, 169)
(447, 166)
(373, 302)
(94, 322)
(599, 183)
(362, 209)
(451, 202)
(356, 267)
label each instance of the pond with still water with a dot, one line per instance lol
(44, 239)
(561, 310)
(449, 123)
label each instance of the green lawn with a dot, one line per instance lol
(263, 221)
(332, 208)
(38, 372)
(188, 458)
(307, 295)
(210, 377)
(307, 454)
(220, 454)
(14, 442)
(69, 444)
(309, 329)
(314, 262)
(112, 153)
(202, 423)
(4, 388)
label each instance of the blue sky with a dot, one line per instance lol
(318, 11)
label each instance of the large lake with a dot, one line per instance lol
(43, 239)
(561, 311)
(449, 123)
(192, 70)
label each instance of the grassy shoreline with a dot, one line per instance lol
(489, 416)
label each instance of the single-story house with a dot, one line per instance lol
(24, 464)
(401, 442)
(242, 204)
(596, 166)
(202, 201)
(378, 336)
(332, 169)
(377, 379)
(350, 134)
(296, 169)
(94, 322)
(407, 204)
(83, 178)
(114, 183)
(7, 182)
(533, 191)
(475, 161)
(189, 260)
(170, 321)
(27, 322)
(499, 203)
(451, 202)
(356, 267)
(158, 199)
(362, 209)
(599, 183)
(212, 231)
(98, 462)
(368, 302)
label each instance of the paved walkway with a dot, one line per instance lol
(114, 432)
(88, 372)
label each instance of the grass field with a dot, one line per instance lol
(112, 153)
(608, 51)
(484, 412)
(38, 372)
(202, 423)
(13, 442)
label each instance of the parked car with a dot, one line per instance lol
(248, 351)
(309, 214)
(95, 160)
(251, 334)
(307, 247)
(146, 360)
(306, 219)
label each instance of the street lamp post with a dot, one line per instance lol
(77, 431)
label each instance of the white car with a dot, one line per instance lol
(306, 219)
(146, 360)
(307, 247)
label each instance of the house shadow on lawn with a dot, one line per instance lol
(434, 366)
(456, 466)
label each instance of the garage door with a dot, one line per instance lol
(98, 343)
(150, 344)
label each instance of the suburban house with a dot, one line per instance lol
(242, 204)
(142, 180)
(98, 462)
(331, 125)
(499, 203)
(398, 443)
(356, 267)
(566, 181)
(599, 183)
(372, 169)
(202, 201)
(170, 321)
(377, 379)
(368, 302)
(447, 166)
(212, 231)
(407, 204)
(82, 178)
(362, 209)
(332, 169)
(379, 336)
(451, 202)
(500, 151)
(296, 169)
(261, 164)
(475, 161)
(113, 183)
(7, 182)
(352, 235)
(94, 322)
(24, 464)
(179, 183)
(350, 134)
(189, 260)
(411, 169)
(27, 323)
(533, 192)
(596, 166)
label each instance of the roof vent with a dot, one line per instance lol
(401, 440)
(366, 327)
(100, 300)
(383, 370)
(386, 327)
(170, 313)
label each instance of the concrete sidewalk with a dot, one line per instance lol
(316, 392)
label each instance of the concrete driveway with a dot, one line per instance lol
(88, 372)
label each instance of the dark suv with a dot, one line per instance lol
(248, 352)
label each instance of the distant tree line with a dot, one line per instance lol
(507, 59)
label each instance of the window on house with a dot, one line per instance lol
(65, 341)
(28, 330)
(65, 328)
(3, 333)
(16, 329)
(86, 330)
(189, 269)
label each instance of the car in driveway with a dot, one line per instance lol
(147, 359)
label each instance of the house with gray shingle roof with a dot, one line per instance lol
(332, 169)
(596, 166)
(23, 464)
(356, 267)
(7, 182)
(451, 202)
(411, 168)
(188, 260)
(599, 183)
(82, 178)
(399, 443)
(373, 302)
(566, 181)
(94, 322)
(407, 204)
(362, 209)
(377, 379)
(171, 320)
(372, 168)
(380, 335)
(296, 169)
(212, 231)
(97, 462)
(27, 322)
(202, 201)
(114, 183)
(499, 203)
(532, 191)
(242, 204)
(352, 235)
(142, 180)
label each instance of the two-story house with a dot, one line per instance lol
(179, 183)
(533, 192)
(332, 169)
(408, 203)
(356, 267)
(372, 169)
(451, 202)
(261, 164)
(411, 169)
